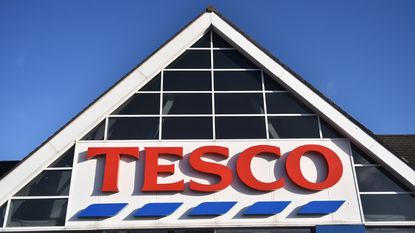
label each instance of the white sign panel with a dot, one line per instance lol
(88, 174)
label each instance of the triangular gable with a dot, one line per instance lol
(48, 152)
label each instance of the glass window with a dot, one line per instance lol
(37, 212)
(359, 157)
(390, 229)
(328, 131)
(245, 103)
(2, 213)
(153, 84)
(143, 103)
(285, 103)
(218, 42)
(240, 127)
(66, 160)
(96, 133)
(237, 80)
(193, 231)
(192, 59)
(86, 231)
(187, 81)
(266, 230)
(129, 128)
(231, 59)
(388, 207)
(165, 231)
(48, 183)
(293, 127)
(271, 84)
(203, 42)
(187, 104)
(375, 179)
(187, 128)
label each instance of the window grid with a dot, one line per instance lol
(6, 214)
(383, 222)
(161, 105)
(207, 92)
(264, 99)
(212, 79)
(44, 197)
(105, 128)
(216, 69)
(211, 48)
(212, 91)
(320, 132)
(57, 169)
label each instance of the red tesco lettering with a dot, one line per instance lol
(152, 169)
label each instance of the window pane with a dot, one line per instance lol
(96, 133)
(129, 128)
(240, 127)
(293, 127)
(153, 84)
(227, 59)
(375, 179)
(359, 157)
(141, 231)
(2, 213)
(203, 42)
(282, 103)
(388, 207)
(187, 81)
(192, 59)
(143, 103)
(164, 231)
(86, 231)
(246, 103)
(66, 160)
(265, 230)
(187, 104)
(218, 42)
(271, 84)
(48, 183)
(390, 229)
(237, 80)
(37, 212)
(328, 131)
(187, 128)
(194, 231)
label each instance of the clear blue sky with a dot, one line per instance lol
(57, 56)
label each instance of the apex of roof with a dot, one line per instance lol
(210, 9)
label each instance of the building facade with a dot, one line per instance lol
(211, 134)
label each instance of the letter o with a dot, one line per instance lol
(333, 163)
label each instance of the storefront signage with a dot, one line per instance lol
(228, 183)
(152, 168)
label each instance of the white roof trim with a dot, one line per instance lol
(94, 114)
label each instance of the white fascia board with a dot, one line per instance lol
(355, 133)
(94, 114)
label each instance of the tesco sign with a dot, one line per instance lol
(152, 168)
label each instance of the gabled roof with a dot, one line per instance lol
(91, 116)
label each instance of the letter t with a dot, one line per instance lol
(112, 161)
